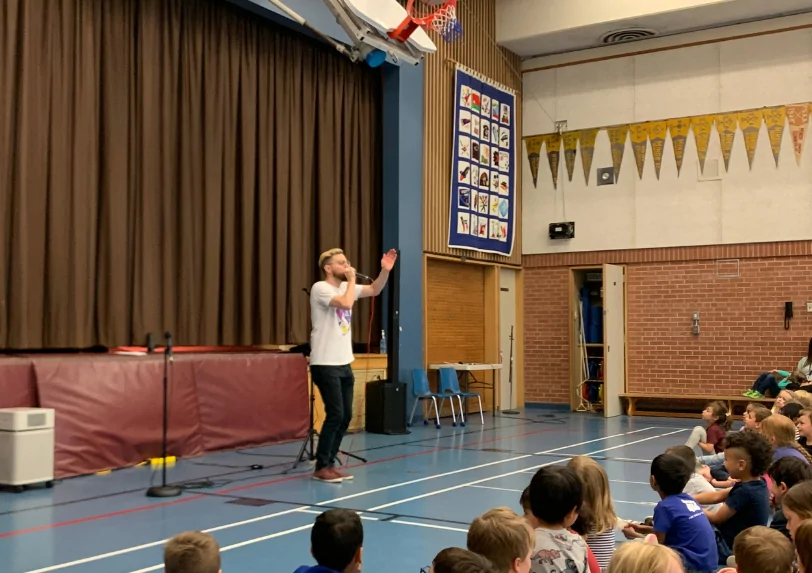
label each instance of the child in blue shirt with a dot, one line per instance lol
(679, 522)
(746, 504)
(336, 543)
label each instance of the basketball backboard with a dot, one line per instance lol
(385, 16)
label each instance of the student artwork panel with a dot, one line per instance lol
(483, 205)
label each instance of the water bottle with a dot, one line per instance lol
(383, 342)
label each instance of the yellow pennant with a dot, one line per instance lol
(570, 150)
(750, 124)
(587, 144)
(618, 135)
(679, 134)
(554, 155)
(775, 118)
(701, 126)
(533, 146)
(656, 135)
(726, 126)
(639, 137)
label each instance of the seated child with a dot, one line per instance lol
(747, 457)
(762, 550)
(804, 426)
(645, 558)
(784, 397)
(192, 552)
(797, 505)
(717, 423)
(336, 543)
(804, 397)
(754, 415)
(594, 567)
(456, 560)
(715, 471)
(679, 521)
(792, 410)
(784, 474)
(597, 518)
(803, 546)
(780, 432)
(696, 483)
(504, 538)
(556, 495)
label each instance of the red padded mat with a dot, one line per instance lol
(109, 410)
(251, 399)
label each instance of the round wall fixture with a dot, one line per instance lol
(627, 35)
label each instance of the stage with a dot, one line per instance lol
(109, 406)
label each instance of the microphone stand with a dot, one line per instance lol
(511, 412)
(164, 490)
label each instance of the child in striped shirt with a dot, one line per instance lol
(596, 518)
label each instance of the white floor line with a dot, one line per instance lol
(459, 486)
(317, 512)
(634, 482)
(497, 488)
(520, 491)
(446, 527)
(335, 500)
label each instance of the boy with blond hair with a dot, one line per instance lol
(192, 552)
(504, 538)
(762, 550)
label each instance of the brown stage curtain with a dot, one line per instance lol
(176, 165)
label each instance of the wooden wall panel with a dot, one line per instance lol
(461, 311)
(478, 51)
(455, 317)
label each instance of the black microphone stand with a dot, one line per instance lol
(164, 490)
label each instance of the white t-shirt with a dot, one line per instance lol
(697, 484)
(331, 337)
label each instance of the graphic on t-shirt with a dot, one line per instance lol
(548, 556)
(344, 318)
(691, 505)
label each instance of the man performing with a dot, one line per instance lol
(331, 302)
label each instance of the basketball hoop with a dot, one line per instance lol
(443, 20)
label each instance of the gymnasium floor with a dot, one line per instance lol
(418, 493)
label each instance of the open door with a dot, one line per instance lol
(614, 337)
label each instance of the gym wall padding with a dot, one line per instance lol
(109, 408)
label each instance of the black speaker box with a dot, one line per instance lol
(386, 407)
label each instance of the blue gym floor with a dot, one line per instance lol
(417, 493)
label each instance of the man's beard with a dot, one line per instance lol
(339, 275)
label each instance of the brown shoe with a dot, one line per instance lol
(327, 475)
(342, 475)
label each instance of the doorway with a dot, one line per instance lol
(598, 339)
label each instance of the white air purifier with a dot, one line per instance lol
(26, 447)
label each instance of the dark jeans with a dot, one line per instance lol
(767, 384)
(335, 384)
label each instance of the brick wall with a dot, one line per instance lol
(741, 318)
(546, 349)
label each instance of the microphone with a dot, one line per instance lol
(359, 275)
(168, 337)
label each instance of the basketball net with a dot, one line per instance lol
(426, 14)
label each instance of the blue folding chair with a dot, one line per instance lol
(421, 391)
(450, 386)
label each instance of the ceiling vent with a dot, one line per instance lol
(627, 35)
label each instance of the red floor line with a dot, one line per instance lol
(253, 485)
